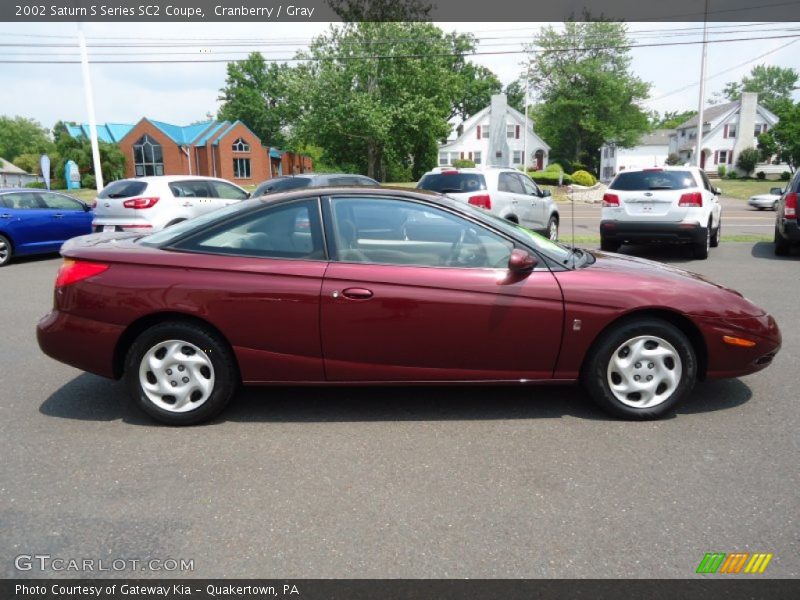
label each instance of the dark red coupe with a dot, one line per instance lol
(368, 286)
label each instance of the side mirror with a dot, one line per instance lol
(776, 191)
(546, 193)
(521, 261)
(86, 207)
(717, 191)
(249, 195)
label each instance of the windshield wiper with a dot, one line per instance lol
(661, 187)
(450, 191)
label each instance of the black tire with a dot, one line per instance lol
(598, 370)
(716, 236)
(607, 245)
(223, 374)
(552, 223)
(700, 249)
(782, 246)
(6, 251)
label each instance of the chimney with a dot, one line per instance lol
(499, 154)
(745, 134)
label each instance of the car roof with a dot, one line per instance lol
(339, 190)
(664, 168)
(314, 176)
(168, 178)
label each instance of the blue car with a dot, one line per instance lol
(38, 221)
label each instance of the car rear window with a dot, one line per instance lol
(452, 182)
(123, 189)
(282, 185)
(653, 180)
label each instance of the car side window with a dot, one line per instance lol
(528, 186)
(59, 202)
(24, 201)
(706, 181)
(190, 189)
(283, 231)
(227, 191)
(399, 232)
(508, 182)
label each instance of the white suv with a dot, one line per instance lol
(666, 204)
(153, 203)
(507, 193)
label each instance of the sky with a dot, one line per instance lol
(187, 92)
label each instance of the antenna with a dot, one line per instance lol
(572, 227)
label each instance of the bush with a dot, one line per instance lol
(748, 159)
(463, 163)
(88, 181)
(721, 170)
(550, 177)
(38, 185)
(761, 175)
(583, 178)
(786, 176)
(733, 175)
(565, 165)
(577, 166)
(554, 167)
(673, 159)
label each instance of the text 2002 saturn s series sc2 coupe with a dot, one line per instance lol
(357, 286)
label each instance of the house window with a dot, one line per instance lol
(723, 157)
(758, 130)
(241, 168)
(148, 157)
(454, 156)
(510, 131)
(476, 157)
(241, 146)
(485, 131)
(442, 158)
(517, 157)
(731, 131)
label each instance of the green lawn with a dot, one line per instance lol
(743, 189)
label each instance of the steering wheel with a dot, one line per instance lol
(455, 249)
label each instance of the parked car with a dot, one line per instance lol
(763, 201)
(664, 204)
(787, 226)
(39, 221)
(507, 193)
(284, 183)
(387, 286)
(153, 203)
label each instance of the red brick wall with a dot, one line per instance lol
(258, 155)
(175, 161)
(296, 163)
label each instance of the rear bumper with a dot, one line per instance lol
(624, 231)
(81, 343)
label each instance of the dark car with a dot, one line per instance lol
(39, 221)
(284, 183)
(787, 226)
(385, 286)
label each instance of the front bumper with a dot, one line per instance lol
(633, 232)
(726, 360)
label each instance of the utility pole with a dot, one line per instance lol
(701, 106)
(87, 89)
(525, 132)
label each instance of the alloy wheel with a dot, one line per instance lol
(176, 376)
(644, 371)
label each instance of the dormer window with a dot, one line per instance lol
(241, 146)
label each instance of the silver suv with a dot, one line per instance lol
(665, 204)
(507, 193)
(153, 203)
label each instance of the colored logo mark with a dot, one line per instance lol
(734, 563)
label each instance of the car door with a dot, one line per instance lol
(70, 217)
(29, 222)
(193, 197)
(513, 195)
(226, 193)
(710, 199)
(433, 301)
(536, 204)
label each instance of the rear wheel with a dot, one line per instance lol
(552, 229)
(608, 245)
(700, 249)
(180, 373)
(640, 369)
(782, 246)
(6, 251)
(717, 237)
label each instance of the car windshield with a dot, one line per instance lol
(655, 179)
(453, 182)
(166, 236)
(282, 185)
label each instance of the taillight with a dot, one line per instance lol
(610, 200)
(140, 203)
(73, 271)
(692, 199)
(481, 201)
(790, 211)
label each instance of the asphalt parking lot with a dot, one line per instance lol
(403, 482)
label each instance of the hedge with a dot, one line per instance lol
(584, 178)
(550, 177)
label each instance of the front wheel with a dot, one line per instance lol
(717, 237)
(552, 229)
(641, 369)
(5, 251)
(180, 373)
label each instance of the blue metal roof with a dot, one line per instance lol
(210, 133)
(111, 133)
(183, 135)
(275, 153)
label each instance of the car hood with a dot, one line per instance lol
(632, 283)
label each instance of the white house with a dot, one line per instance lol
(651, 151)
(12, 176)
(727, 130)
(495, 136)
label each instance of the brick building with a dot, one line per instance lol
(214, 148)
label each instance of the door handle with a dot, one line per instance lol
(58, 216)
(5, 216)
(357, 293)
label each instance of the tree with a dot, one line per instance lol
(773, 84)
(747, 160)
(381, 10)
(19, 136)
(257, 94)
(588, 95)
(515, 93)
(475, 84)
(783, 140)
(671, 119)
(112, 159)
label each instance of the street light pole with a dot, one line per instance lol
(87, 89)
(698, 154)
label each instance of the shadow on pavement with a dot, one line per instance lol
(767, 250)
(92, 398)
